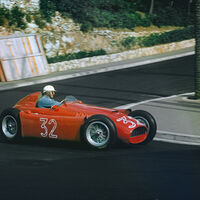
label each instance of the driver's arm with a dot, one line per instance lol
(47, 103)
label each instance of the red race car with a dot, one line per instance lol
(73, 120)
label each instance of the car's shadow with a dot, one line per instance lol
(67, 145)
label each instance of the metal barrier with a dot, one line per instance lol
(21, 56)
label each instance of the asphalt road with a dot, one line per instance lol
(37, 170)
(120, 87)
(64, 170)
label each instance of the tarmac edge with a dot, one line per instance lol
(166, 136)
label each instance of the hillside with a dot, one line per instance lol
(66, 28)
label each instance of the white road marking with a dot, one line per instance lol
(127, 106)
(177, 134)
(176, 141)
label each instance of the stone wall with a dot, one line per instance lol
(141, 52)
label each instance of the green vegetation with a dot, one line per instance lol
(111, 14)
(78, 55)
(120, 13)
(159, 38)
(4, 15)
(13, 17)
(131, 42)
(105, 13)
(167, 37)
(17, 18)
(39, 20)
(128, 42)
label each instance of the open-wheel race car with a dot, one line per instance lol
(73, 120)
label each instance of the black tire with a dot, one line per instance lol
(147, 119)
(99, 132)
(10, 125)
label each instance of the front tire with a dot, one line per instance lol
(10, 124)
(148, 120)
(99, 132)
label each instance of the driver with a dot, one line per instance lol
(47, 101)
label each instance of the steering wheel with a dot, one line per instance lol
(68, 99)
(71, 99)
(62, 102)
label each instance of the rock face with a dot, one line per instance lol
(98, 60)
(63, 36)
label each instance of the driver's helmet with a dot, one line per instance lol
(48, 88)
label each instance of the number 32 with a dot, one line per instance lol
(45, 123)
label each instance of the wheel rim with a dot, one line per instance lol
(9, 126)
(143, 121)
(97, 133)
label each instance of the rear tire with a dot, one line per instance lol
(149, 121)
(99, 132)
(10, 125)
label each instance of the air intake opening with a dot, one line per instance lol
(138, 131)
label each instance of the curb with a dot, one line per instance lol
(166, 136)
(178, 138)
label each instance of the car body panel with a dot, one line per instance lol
(64, 122)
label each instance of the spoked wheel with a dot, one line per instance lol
(148, 120)
(99, 132)
(10, 124)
